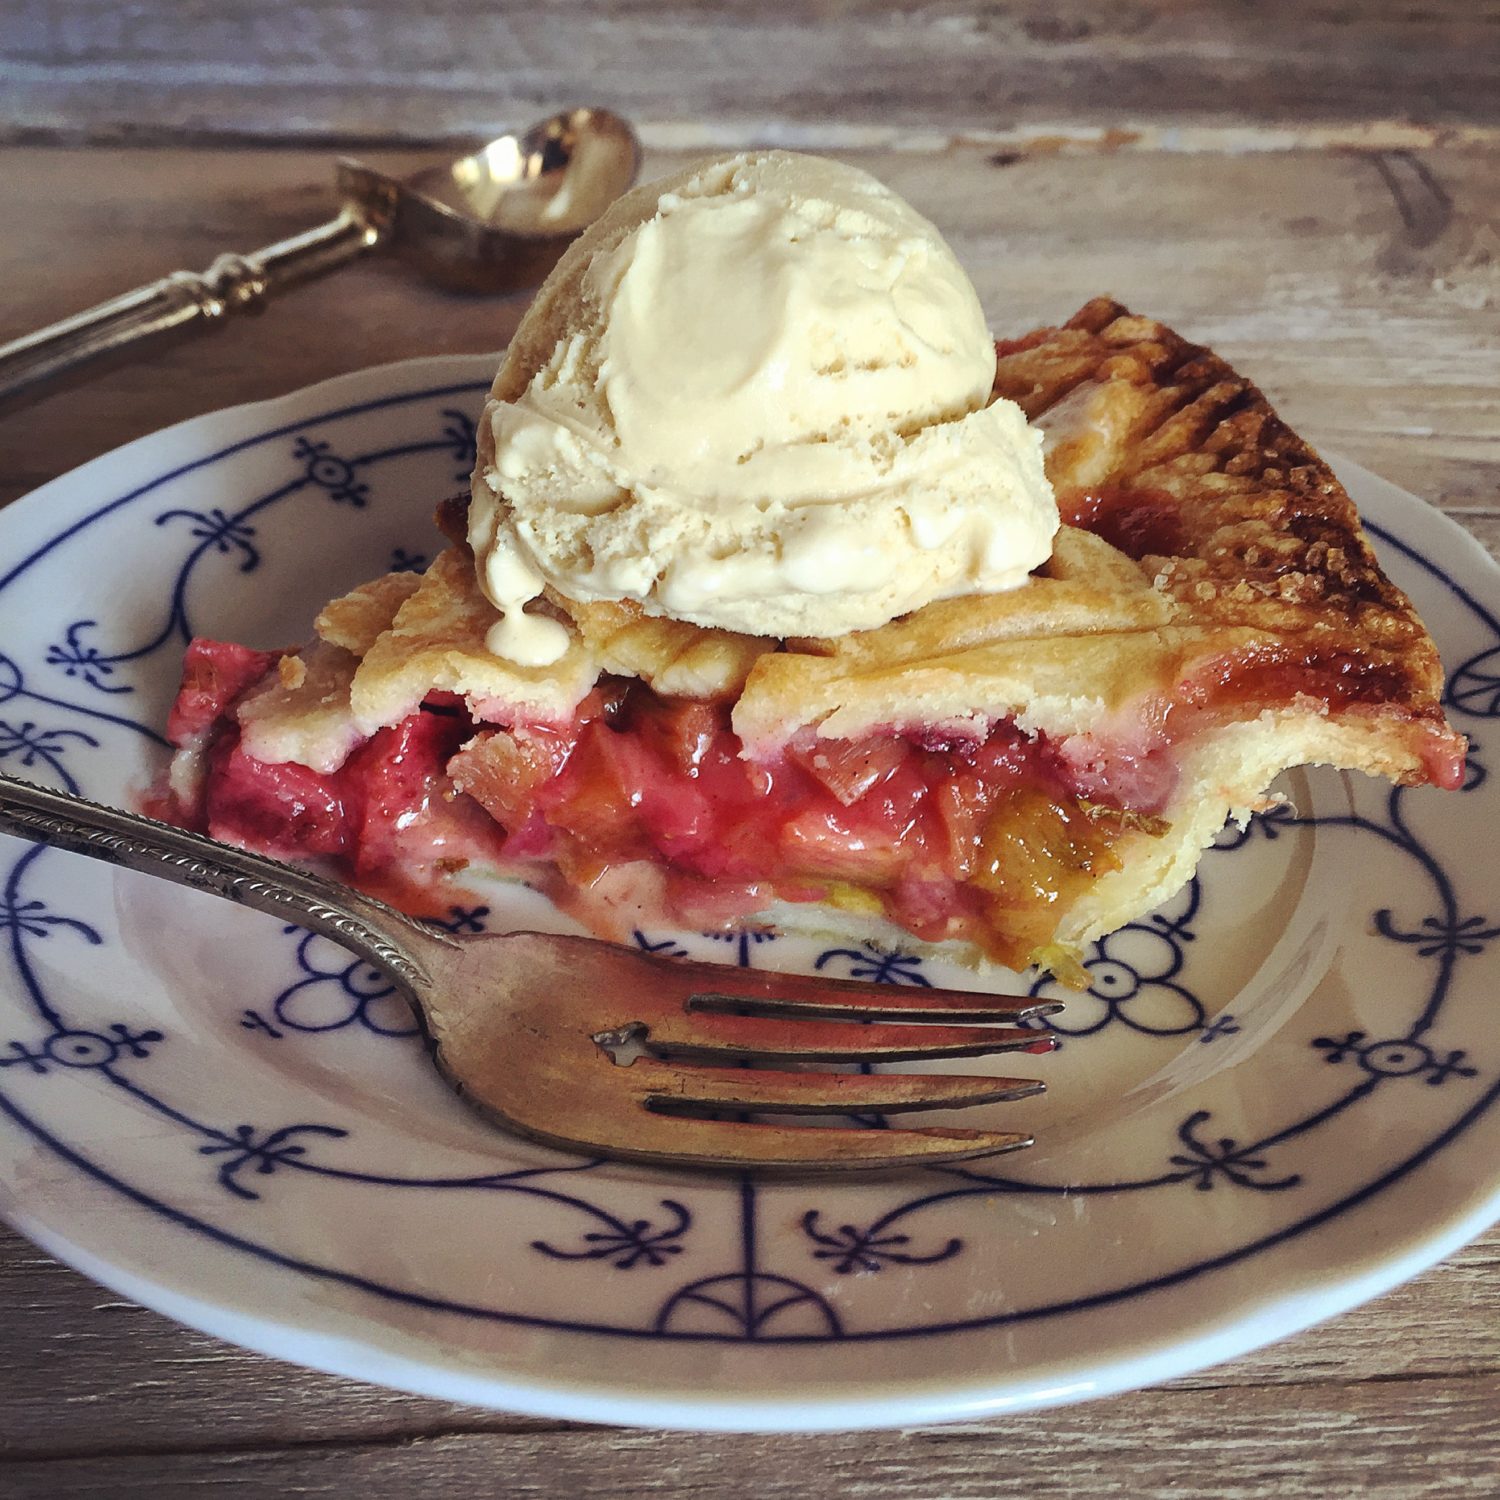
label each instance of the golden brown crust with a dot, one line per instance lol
(302, 712)
(1249, 548)
(356, 620)
(1222, 537)
(1085, 587)
(678, 660)
(437, 642)
(1207, 548)
(1262, 532)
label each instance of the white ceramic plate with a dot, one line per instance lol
(1277, 1100)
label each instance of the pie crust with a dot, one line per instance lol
(1211, 616)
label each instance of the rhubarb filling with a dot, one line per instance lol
(986, 837)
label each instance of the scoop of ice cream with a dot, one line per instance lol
(755, 395)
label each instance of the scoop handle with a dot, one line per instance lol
(119, 329)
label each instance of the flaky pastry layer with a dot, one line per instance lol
(1201, 533)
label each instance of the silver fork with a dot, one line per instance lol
(532, 1029)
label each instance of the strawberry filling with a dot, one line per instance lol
(980, 838)
(985, 838)
(1140, 523)
(386, 817)
(988, 838)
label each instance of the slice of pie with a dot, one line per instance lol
(1016, 773)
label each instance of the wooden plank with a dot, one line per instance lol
(384, 70)
(1362, 291)
(87, 1373)
(1407, 1441)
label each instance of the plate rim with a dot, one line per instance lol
(1274, 1317)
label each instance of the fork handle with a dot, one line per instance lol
(179, 303)
(379, 933)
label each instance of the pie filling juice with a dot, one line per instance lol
(986, 838)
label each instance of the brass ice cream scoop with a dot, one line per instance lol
(494, 221)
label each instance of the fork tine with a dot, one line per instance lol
(717, 987)
(667, 1086)
(873, 1005)
(726, 1038)
(682, 1140)
(554, 1071)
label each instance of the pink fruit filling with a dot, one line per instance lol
(988, 838)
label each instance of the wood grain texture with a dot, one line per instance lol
(1381, 1441)
(98, 1377)
(1361, 288)
(382, 70)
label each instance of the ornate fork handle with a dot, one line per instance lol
(377, 932)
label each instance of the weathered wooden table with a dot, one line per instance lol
(1315, 193)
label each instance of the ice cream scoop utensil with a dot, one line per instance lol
(597, 1048)
(493, 221)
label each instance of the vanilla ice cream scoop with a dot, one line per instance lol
(754, 395)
